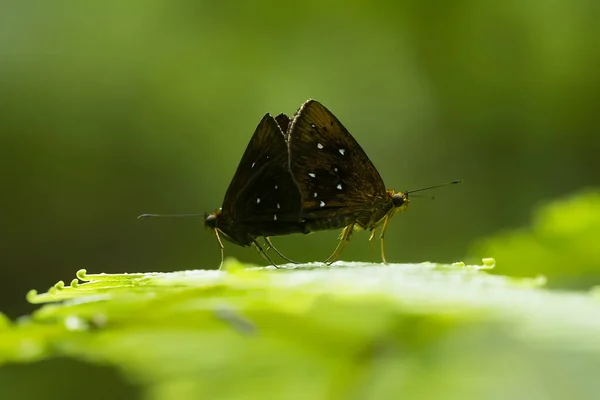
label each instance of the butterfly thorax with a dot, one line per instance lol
(387, 207)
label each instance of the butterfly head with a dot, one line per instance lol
(224, 227)
(212, 220)
(399, 200)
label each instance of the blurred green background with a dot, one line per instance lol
(111, 109)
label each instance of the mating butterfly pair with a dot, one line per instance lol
(304, 175)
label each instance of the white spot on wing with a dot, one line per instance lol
(342, 151)
(278, 206)
(276, 187)
(275, 217)
(311, 175)
(315, 194)
(319, 145)
(339, 186)
(335, 169)
(322, 204)
(253, 165)
(258, 200)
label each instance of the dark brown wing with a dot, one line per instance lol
(262, 188)
(283, 121)
(335, 176)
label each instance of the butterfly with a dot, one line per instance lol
(300, 176)
(339, 185)
(262, 199)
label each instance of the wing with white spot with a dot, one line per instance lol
(333, 172)
(262, 186)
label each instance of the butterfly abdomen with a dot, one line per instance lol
(277, 228)
(335, 222)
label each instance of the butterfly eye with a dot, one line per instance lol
(399, 199)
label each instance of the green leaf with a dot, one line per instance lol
(562, 244)
(352, 330)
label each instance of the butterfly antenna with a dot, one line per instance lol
(434, 186)
(169, 216)
(420, 196)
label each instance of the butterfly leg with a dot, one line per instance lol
(268, 245)
(344, 238)
(263, 253)
(271, 246)
(383, 229)
(373, 231)
(222, 248)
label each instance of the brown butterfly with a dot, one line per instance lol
(262, 199)
(340, 187)
(301, 176)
